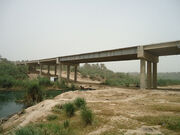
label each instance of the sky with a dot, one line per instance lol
(36, 29)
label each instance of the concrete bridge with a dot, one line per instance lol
(145, 53)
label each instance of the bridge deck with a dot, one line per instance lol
(130, 53)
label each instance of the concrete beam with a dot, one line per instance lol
(142, 74)
(110, 55)
(141, 54)
(162, 45)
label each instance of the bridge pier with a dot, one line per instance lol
(154, 75)
(75, 73)
(60, 72)
(48, 68)
(40, 69)
(55, 69)
(68, 72)
(149, 78)
(142, 74)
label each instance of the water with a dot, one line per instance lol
(8, 104)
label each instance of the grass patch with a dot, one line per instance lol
(66, 124)
(80, 102)
(34, 93)
(69, 109)
(169, 122)
(52, 117)
(87, 116)
(57, 108)
(44, 129)
(1, 129)
(162, 107)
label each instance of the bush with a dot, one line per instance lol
(66, 124)
(57, 108)
(80, 102)
(69, 109)
(1, 129)
(62, 84)
(28, 130)
(44, 81)
(6, 81)
(87, 115)
(51, 117)
(43, 129)
(34, 93)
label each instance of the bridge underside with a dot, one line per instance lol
(145, 53)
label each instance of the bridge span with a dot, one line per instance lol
(145, 53)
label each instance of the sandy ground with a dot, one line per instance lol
(118, 107)
(112, 104)
(64, 75)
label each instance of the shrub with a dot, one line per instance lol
(44, 81)
(57, 108)
(6, 81)
(34, 93)
(1, 129)
(69, 109)
(80, 102)
(66, 124)
(87, 115)
(51, 117)
(28, 130)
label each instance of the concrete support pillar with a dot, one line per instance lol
(60, 71)
(154, 75)
(48, 69)
(149, 75)
(142, 74)
(75, 73)
(40, 69)
(68, 72)
(34, 68)
(55, 69)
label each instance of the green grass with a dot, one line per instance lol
(44, 81)
(166, 107)
(87, 116)
(166, 82)
(44, 129)
(80, 102)
(57, 108)
(52, 117)
(1, 129)
(66, 123)
(166, 121)
(69, 109)
(34, 93)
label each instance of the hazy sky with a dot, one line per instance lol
(34, 29)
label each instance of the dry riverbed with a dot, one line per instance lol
(117, 111)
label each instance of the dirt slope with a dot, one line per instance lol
(118, 107)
